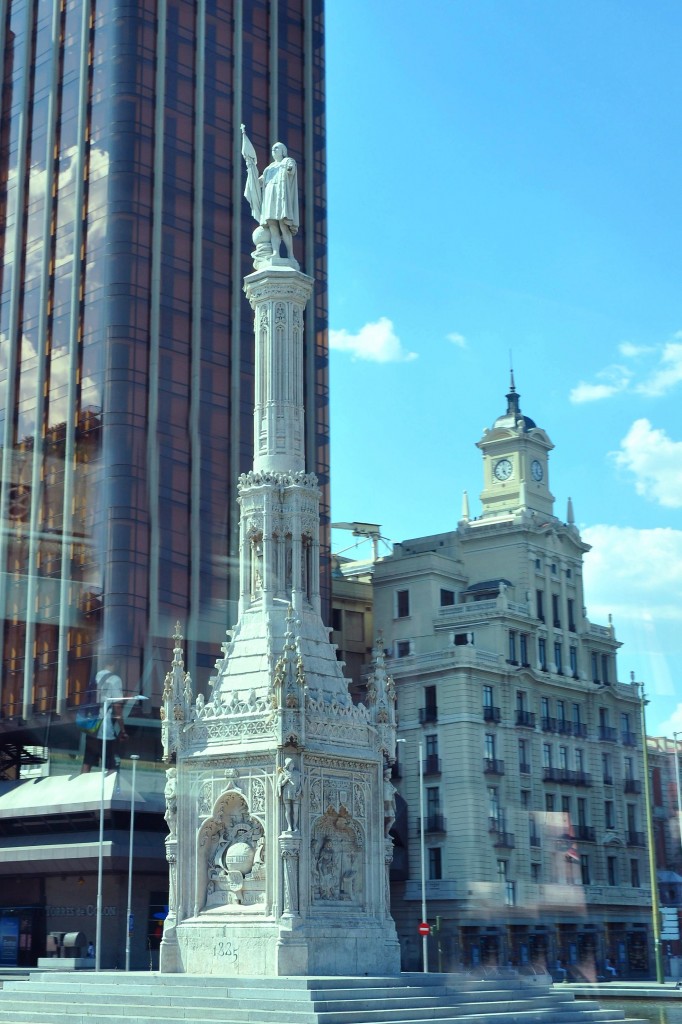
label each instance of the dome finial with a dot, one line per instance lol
(513, 407)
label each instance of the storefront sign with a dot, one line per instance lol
(90, 910)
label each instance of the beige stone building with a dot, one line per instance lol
(534, 818)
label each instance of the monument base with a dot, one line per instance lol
(268, 949)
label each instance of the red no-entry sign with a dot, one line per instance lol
(424, 928)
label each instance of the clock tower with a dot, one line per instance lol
(515, 464)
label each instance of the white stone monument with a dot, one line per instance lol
(278, 808)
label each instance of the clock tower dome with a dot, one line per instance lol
(515, 464)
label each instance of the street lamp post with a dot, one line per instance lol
(134, 758)
(425, 938)
(100, 853)
(655, 910)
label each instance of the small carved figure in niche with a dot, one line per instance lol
(169, 792)
(289, 787)
(327, 871)
(389, 801)
(348, 877)
(257, 566)
(259, 856)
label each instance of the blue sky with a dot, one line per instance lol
(504, 176)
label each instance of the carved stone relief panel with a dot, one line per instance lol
(231, 857)
(337, 860)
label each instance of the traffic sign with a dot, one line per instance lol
(670, 923)
(424, 928)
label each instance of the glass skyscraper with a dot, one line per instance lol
(126, 344)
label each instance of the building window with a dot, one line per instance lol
(431, 745)
(607, 777)
(555, 611)
(634, 874)
(539, 605)
(579, 760)
(612, 870)
(558, 659)
(402, 604)
(544, 707)
(502, 870)
(585, 868)
(629, 768)
(582, 812)
(523, 651)
(549, 802)
(512, 647)
(487, 696)
(524, 758)
(563, 758)
(535, 873)
(609, 816)
(627, 736)
(538, 565)
(510, 894)
(429, 713)
(605, 668)
(571, 614)
(435, 863)
(403, 648)
(489, 746)
(336, 619)
(432, 801)
(546, 755)
(554, 572)
(595, 667)
(605, 730)
(355, 626)
(542, 653)
(561, 713)
(577, 715)
(447, 598)
(493, 803)
(525, 798)
(566, 805)
(573, 660)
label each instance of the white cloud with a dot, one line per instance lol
(656, 462)
(612, 380)
(630, 351)
(657, 380)
(636, 575)
(584, 392)
(672, 724)
(375, 343)
(457, 339)
(667, 374)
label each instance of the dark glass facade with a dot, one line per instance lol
(126, 346)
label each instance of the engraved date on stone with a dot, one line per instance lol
(227, 949)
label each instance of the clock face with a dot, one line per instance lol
(503, 469)
(536, 470)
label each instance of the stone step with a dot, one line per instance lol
(145, 998)
(210, 980)
(21, 1014)
(42, 1012)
